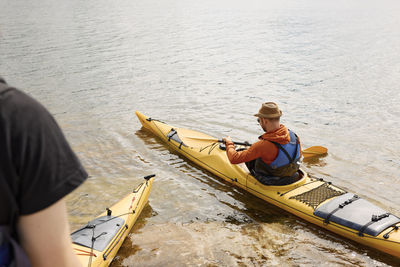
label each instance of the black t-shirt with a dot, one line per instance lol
(37, 166)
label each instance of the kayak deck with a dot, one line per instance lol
(97, 243)
(314, 200)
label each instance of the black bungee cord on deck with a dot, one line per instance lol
(395, 228)
(93, 240)
(93, 226)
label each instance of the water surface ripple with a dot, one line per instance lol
(333, 67)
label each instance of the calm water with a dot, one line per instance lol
(333, 67)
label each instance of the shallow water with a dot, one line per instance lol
(333, 67)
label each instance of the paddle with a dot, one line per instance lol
(317, 150)
(308, 152)
(217, 140)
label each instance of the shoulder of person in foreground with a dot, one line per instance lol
(45, 170)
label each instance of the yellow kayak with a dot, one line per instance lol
(97, 243)
(314, 200)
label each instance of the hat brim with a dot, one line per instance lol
(269, 116)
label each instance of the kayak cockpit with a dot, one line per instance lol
(300, 179)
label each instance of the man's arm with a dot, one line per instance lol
(237, 157)
(45, 237)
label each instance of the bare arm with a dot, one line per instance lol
(45, 236)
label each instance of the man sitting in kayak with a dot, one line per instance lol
(274, 159)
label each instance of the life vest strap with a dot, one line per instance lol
(280, 147)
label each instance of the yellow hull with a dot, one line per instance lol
(198, 148)
(129, 208)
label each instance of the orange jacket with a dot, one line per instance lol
(263, 149)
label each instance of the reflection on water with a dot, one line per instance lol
(333, 67)
(218, 243)
(316, 161)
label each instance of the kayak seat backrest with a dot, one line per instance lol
(356, 213)
(106, 228)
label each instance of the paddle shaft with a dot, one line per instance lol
(236, 143)
(248, 144)
(315, 150)
(305, 151)
(217, 140)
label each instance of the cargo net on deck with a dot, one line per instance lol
(318, 195)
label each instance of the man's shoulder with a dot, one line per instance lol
(15, 101)
(21, 112)
(9, 93)
(4, 87)
(263, 143)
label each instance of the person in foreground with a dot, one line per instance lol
(274, 159)
(37, 169)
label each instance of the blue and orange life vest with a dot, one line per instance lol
(286, 164)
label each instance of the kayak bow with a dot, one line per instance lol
(97, 243)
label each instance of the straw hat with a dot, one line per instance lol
(269, 110)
